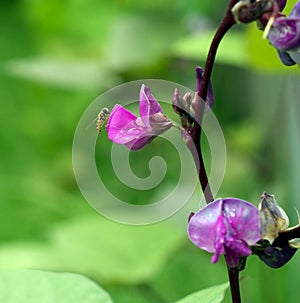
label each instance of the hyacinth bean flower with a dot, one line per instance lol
(226, 226)
(284, 35)
(123, 127)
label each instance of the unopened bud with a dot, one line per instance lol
(273, 218)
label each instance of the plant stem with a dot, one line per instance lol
(195, 132)
(233, 274)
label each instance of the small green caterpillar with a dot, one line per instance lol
(102, 116)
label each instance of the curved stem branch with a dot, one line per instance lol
(195, 132)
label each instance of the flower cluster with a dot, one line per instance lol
(284, 35)
(123, 127)
(227, 226)
(237, 229)
(283, 32)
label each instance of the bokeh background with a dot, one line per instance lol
(58, 56)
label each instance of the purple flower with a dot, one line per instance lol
(226, 226)
(123, 127)
(284, 35)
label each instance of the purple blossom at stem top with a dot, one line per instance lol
(284, 35)
(226, 226)
(123, 127)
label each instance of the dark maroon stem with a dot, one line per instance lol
(202, 89)
(227, 22)
(195, 132)
(233, 274)
(285, 236)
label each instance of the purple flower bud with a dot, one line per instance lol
(281, 4)
(123, 127)
(185, 106)
(226, 226)
(284, 35)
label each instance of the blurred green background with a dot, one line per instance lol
(58, 56)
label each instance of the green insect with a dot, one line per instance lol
(102, 116)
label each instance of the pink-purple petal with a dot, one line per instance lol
(243, 218)
(148, 104)
(285, 33)
(295, 13)
(201, 228)
(239, 247)
(226, 226)
(124, 127)
(119, 121)
(220, 238)
(139, 142)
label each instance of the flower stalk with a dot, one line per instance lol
(202, 91)
(195, 132)
(233, 274)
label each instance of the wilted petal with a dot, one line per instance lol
(294, 243)
(148, 104)
(273, 219)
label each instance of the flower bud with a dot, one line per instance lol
(272, 218)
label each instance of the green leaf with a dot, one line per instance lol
(100, 248)
(183, 274)
(213, 294)
(30, 286)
